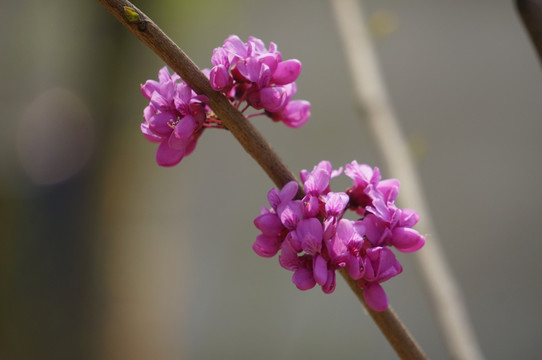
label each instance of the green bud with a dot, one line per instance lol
(131, 14)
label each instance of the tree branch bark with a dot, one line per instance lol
(531, 14)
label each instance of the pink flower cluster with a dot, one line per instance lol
(314, 239)
(252, 73)
(176, 116)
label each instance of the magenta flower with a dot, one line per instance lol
(246, 73)
(345, 249)
(174, 118)
(309, 236)
(274, 228)
(334, 206)
(294, 114)
(380, 265)
(314, 240)
(386, 225)
(249, 72)
(365, 180)
(268, 243)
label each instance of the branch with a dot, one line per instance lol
(531, 14)
(391, 326)
(371, 96)
(251, 140)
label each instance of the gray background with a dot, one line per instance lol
(104, 255)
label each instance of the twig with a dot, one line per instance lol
(251, 140)
(372, 97)
(399, 338)
(531, 13)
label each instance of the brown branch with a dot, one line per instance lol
(391, 326)
(531, 14)
(251, 140)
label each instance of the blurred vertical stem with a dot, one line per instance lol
(373, 100)
(531, 14)
(253, 143)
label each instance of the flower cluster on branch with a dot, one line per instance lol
(315, 240)
(249, 72)
(174, 118)
(245, 73)
(312, 235)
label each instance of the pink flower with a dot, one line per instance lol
(286, 72)
(392, 227)
(345, 249)
(365, 179)
(314, 240)
(249, 72)
(380, 265)
(174, 118)
(294, 114)
(220, 78)
(273, 223)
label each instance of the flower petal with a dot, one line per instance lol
(272, 98)
(184, 92)
(375, 296)
(235, 48)
(407, 239)
(273, 198)
(163, 74)
(303, 279)
(220, 78)
(149, 135)
(266, 246)
(310, 232)
(319, 269)
(220, 57)
(185, 128)
(389, 189)
(329, 286)
(288, 258)
(290, 213)
(149, 88)
(159, 123)
(269, 224)
(287, 72)
(409, 218)
(312, 206)
(288, 191)
(354, 267)
(166, 156)
(317, 182)
(159, 102)
(336, 203)
(381, 264)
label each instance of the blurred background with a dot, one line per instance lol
(105, 255)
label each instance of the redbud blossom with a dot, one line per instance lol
(314, 239)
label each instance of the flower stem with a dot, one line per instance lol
(253, 143)
(254, 115)
(399, 338)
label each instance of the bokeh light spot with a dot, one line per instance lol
(55, 137)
